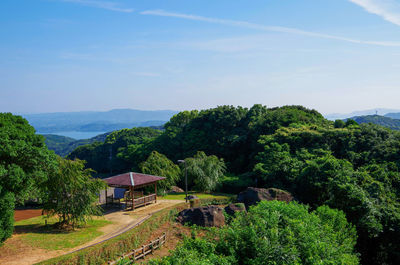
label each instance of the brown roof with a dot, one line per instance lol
(126, 179)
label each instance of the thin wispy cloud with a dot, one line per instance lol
(113, 6)
(259, 27)
(387, 9)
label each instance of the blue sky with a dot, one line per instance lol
(73, 55)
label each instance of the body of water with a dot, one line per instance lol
(76, 135)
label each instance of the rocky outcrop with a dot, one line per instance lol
(232, 208)
(252, 196)
(203, 216)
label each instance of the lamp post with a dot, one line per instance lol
(186, 191)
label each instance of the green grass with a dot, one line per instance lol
(181, 196)
(34, 232)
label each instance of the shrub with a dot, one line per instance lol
(274, 232)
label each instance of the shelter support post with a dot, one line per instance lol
(133, 198)
(106, 195)
(155, 190)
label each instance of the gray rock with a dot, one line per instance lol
(232, 208)
(252, 196)
(203, 216)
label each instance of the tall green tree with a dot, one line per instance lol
(72, 193)
(24, 162)
(159, 165)
(205, 172)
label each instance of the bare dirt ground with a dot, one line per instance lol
(16, 252)
(26, 214)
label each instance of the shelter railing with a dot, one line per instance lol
(142, 201)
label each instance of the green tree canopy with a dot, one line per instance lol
(204, 172)
(72, 193)
(159, 165)
(24, 162)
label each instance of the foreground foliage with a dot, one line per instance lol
(354, 169)
(274, 233)
(24, 161)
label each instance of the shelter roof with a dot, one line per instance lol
(132, 179)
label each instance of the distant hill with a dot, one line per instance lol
(393, 124)
(393, 115)
(62, 145)
(341, 116)
(86, 121)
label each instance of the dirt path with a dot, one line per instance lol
(17, 252)
(26, 214)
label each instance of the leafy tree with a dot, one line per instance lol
(204, 172)
(339, 124)
(71, 193)
(159, 165)
(24, 162)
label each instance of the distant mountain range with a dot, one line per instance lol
(379, 111)
(87, 121)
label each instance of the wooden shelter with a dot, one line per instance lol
(132, 181)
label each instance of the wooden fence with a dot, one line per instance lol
(144, 250)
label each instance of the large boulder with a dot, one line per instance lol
(203, 216)
(232, 208)
(176, 189)
(252, 196)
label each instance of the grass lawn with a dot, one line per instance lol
(34, 232)
(181, 196)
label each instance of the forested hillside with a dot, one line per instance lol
(350, 167)
(63, 145)
(387, 122)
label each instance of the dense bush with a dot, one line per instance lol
(274, 233)
(24, 161)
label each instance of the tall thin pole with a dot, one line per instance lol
(110, 160)
(186, 189)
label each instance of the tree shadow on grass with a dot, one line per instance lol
(40, 229)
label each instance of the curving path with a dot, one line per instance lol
(121, 222)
